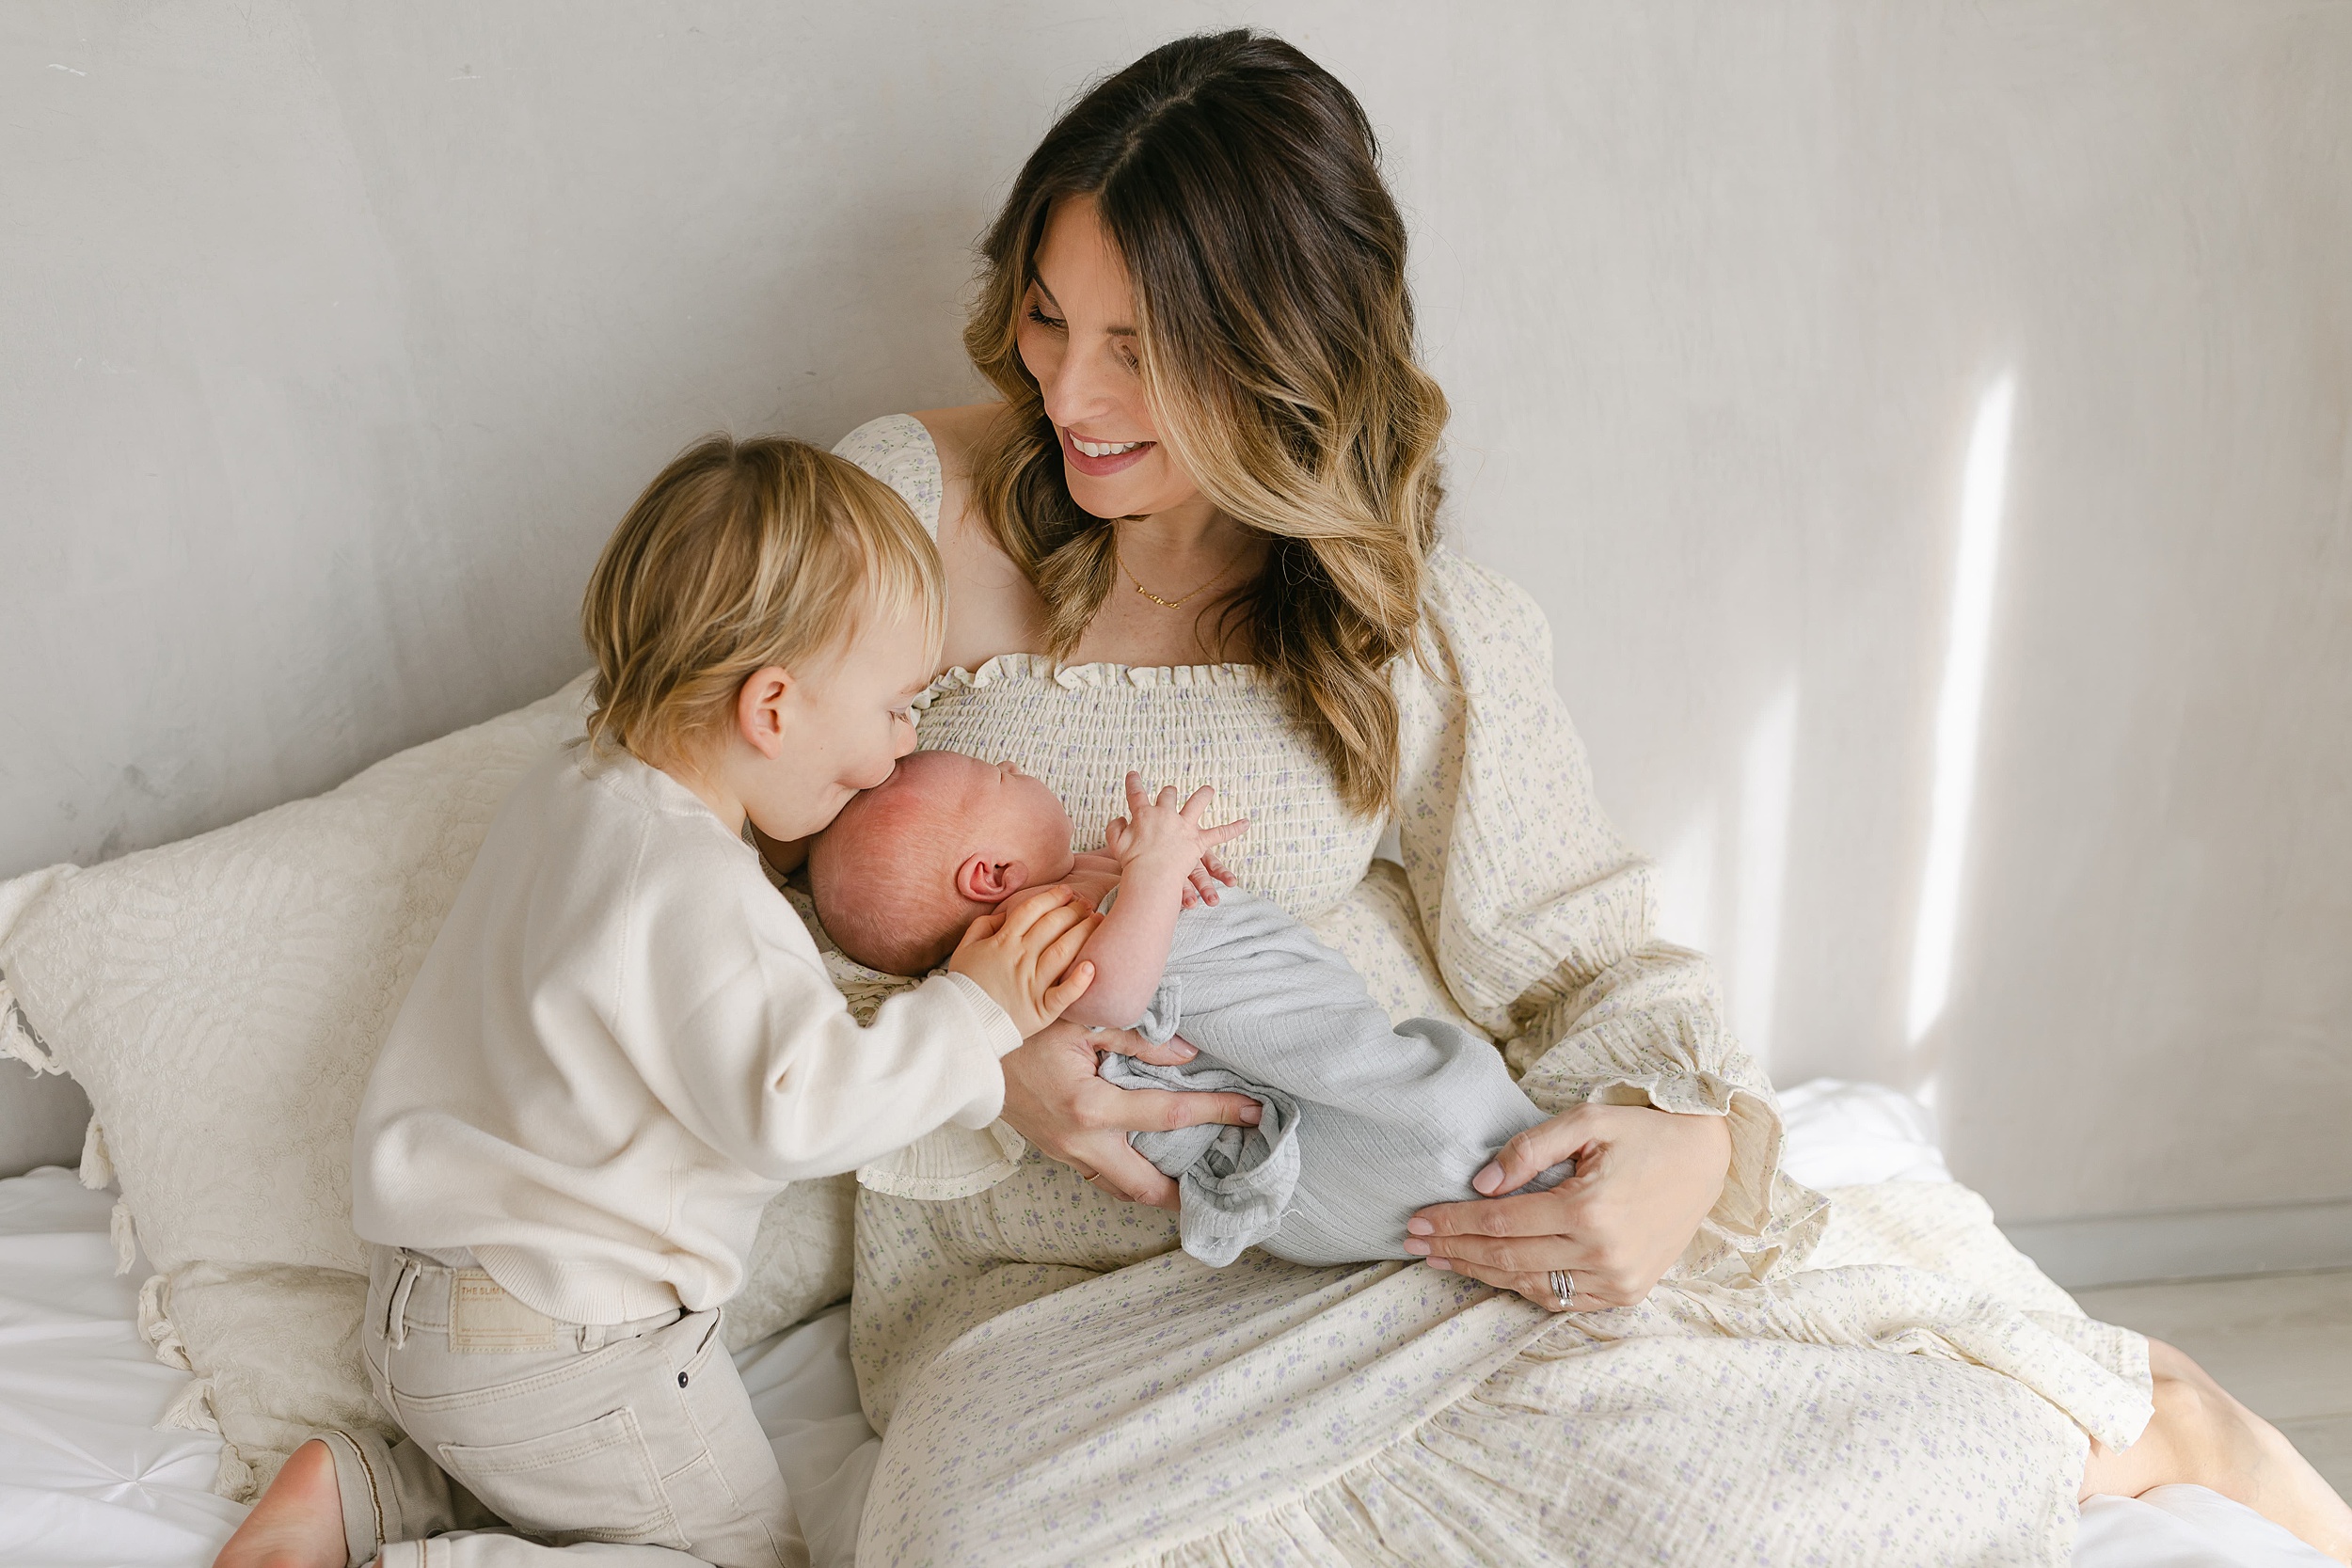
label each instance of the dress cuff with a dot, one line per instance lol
(997, 1030)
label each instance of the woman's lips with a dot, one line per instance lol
(1101, 468)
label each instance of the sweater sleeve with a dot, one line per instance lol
(744, 1036)
(1542, 918)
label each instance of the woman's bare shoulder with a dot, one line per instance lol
(992, 609)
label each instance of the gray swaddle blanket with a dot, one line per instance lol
(1364, 1123)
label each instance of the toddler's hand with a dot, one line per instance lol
(1019, 955)
(1158, 831)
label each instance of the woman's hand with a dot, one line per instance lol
(1054, 1097)
(1644, 1179)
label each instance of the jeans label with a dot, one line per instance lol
(485, 1320)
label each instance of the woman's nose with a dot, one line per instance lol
(902, 745)
(1078, 389)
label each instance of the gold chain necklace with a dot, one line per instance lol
(1180, 603)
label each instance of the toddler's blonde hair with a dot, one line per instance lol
(741, 555)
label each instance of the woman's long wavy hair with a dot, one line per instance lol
(1240, 183)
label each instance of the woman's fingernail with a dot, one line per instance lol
(1419, 1228)
(1439, 1263)
(1251, 1114)
(1488, 1180)
(1418, 1249)
(1185, 1052)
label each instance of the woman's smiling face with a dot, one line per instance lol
(1077, 336)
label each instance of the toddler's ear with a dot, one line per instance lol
(760, 708)
(986, 882)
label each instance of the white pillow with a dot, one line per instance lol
(222, 1000)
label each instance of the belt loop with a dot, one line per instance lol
(396, 1317)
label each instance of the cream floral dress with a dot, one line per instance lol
(1884, 1381)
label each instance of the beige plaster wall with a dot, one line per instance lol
(333, 338)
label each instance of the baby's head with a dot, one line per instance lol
(907, 865)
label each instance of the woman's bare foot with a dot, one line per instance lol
(299, 1521)
(2202, 1436)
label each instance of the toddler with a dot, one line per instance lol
(1363, 1122)
(622, 1044)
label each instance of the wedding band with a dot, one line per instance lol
(1562, 1288)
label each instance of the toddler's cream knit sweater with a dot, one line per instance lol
(623, 1042)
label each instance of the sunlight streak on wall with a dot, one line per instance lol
(1767, 782)
(1959, 707)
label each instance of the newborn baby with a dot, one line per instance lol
(1363, 1122)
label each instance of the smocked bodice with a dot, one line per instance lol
(1080, 729)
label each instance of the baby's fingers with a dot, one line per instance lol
(1225, 833)
(1197, 804)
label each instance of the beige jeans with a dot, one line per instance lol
(625, 1442)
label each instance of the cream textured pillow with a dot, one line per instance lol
(222, 1000)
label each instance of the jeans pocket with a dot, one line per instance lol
(595, 1481)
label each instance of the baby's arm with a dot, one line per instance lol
(1158, 847)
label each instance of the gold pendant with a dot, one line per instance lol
(1165, 604)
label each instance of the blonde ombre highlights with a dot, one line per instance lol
(741, 555)
(1240, 183)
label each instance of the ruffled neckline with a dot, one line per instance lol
(1074, 677)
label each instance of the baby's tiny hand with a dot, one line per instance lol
(1200, 886)
(1160, 831)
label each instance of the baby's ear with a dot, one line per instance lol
(985, 882)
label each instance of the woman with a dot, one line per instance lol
(1198, 537)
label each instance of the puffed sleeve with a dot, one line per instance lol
(896, 450)
(1543, 919)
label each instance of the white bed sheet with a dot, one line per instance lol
(88, 1481)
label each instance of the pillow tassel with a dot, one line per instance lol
(18, 1038)
(126, 1238)
(233, 1478)
(191, 1409)
(98, 1166)
(156, 1327)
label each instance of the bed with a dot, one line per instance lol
(87, 1481)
